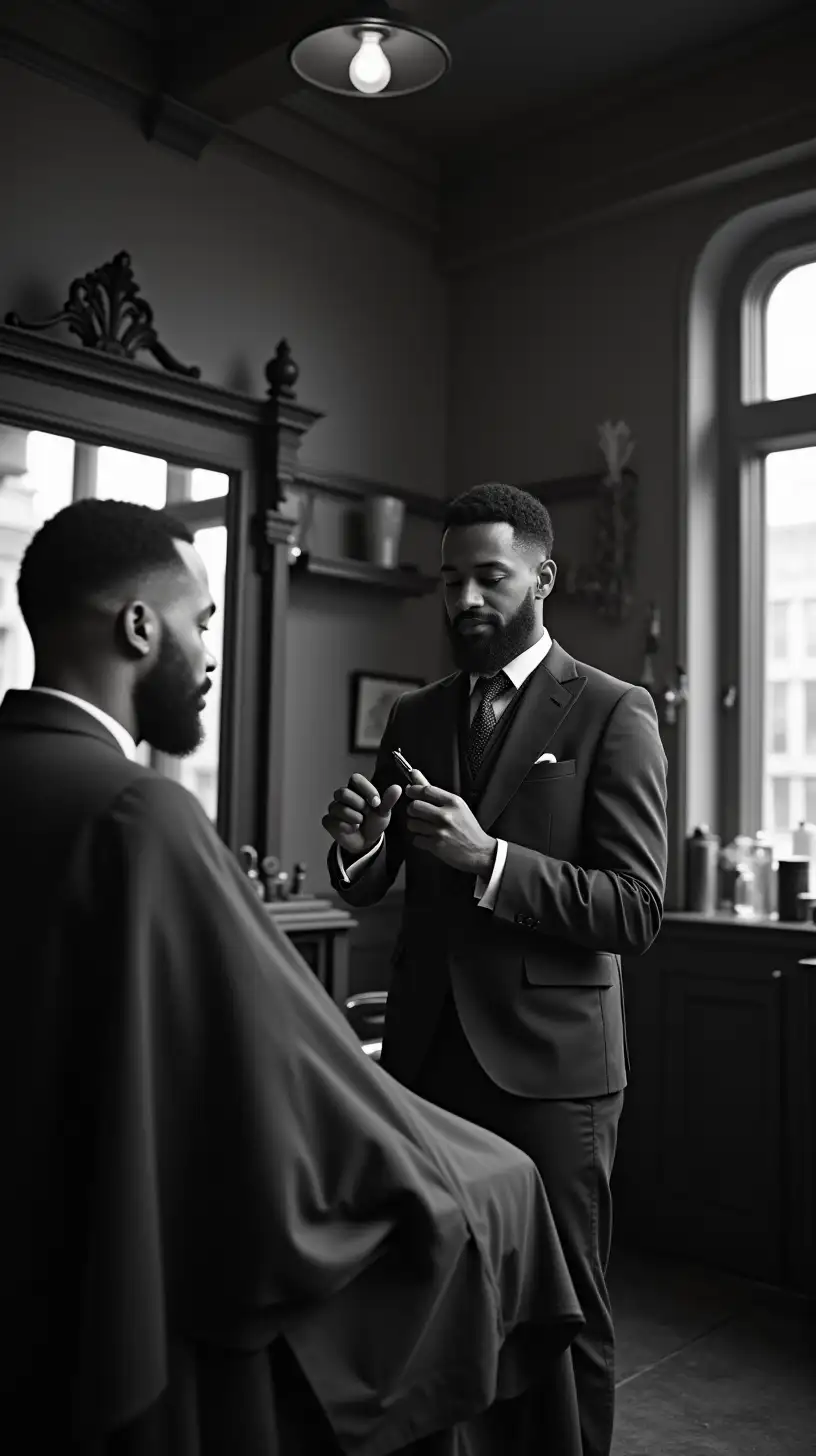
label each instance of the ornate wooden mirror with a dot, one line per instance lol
(78, 421)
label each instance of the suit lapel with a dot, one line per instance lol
(440, 763)
(548, 697)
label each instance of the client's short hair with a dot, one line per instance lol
(89, 549)
(528, 516)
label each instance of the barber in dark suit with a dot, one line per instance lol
(533, 834)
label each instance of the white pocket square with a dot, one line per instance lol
(546, 758)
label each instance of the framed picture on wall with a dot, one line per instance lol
(372, 697)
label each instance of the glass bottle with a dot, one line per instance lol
(764, 897)
(739, 857)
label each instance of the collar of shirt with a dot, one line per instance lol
(520, 668)
(121, 734)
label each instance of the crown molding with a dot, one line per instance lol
(116, 94)
(178, 127)
(527, 239)
(657, 146)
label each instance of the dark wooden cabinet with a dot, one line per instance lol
(716, 1151)
(722, 1101)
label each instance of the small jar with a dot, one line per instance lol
(738, 857)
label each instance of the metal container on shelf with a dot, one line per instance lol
(793, 881)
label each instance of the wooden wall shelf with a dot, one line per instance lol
(400, 580)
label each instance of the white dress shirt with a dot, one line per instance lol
(518, 672)
(121, 734)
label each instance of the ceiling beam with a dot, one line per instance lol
(237, 63)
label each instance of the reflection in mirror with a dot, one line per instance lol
(40, 474)
(208, 485)
(122, 475)
(36, 481)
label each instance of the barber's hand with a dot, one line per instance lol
(357, 816)
(442, 823)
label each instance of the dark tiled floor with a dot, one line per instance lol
(709, 1365)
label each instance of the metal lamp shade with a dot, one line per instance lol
(417, 58)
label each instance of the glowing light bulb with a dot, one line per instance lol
(370, 70)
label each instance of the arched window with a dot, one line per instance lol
(767, 547)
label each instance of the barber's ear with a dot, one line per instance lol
(139, 627)
(545, 578)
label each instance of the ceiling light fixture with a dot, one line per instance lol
(371, 56)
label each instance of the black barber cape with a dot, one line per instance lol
(200, 1161)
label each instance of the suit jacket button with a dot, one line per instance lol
(521, 920)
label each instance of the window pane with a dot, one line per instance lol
(790, 698)
(778, 727)
(50, 471)
(778, 630)
(199, 772)
(39, 482)
(207, 484)
(809, 628)
(810, 719)
(780, 805)
(125, 476)
(790, 335)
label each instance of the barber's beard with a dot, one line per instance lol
(487, 652)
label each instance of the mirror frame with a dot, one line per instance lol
(102, 399)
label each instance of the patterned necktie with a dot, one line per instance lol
(484, 720)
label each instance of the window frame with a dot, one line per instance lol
(751, 427)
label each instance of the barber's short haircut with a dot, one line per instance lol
(89, 549)
(529, 517)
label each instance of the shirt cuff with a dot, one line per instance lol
(350, 872)
(488, 894)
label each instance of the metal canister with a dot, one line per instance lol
(793, 881)
(702, 870)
